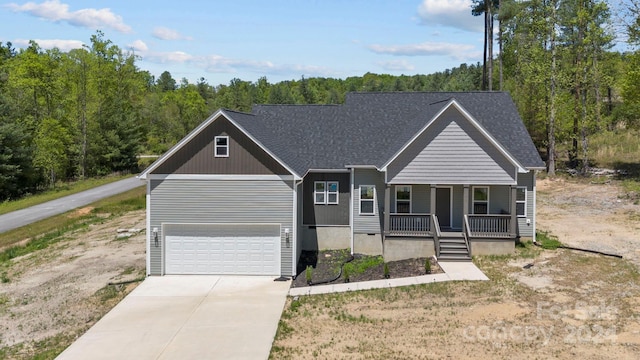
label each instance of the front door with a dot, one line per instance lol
(443, 206)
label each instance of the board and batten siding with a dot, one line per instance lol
(220, 202)
(420, 198)
(326, 214)
(528, 181)
(368, 224)
(451, 151)
(245, 156)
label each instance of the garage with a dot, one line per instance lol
(243, 249)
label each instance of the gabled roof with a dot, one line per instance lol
(371, 128)
(231, 116)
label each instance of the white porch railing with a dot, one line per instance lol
(489, 226)
(409, 224)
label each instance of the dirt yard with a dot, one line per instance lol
(538, 304)
(51, 296)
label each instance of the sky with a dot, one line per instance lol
(219, 40)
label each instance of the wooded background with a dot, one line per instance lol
(90, 111)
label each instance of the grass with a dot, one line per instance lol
(41, 234)
(359, 266)
(547, 241)
(608, 148)
(61, 190)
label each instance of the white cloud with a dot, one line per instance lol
(174, 57)
(164, 33)
(91, 18)
(63, 45)
(397, 65)
(450, 13)
(456, 51)
(139, 46)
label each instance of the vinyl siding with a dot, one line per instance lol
(527, 180)
(368, 224)
(451, 151)
(245, 156)
(219, 202)
(334, 214)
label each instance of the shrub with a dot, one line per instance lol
(308, 273)
(346, 273)
(427, 266)
(385, 270)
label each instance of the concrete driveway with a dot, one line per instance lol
(188, 317)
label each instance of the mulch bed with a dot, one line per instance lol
(326, 266)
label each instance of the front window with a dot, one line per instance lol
(367, 199)
(521, 202)
(481, 200)
(325, 192)
(403, 199)
(319, 193)
(221, 144)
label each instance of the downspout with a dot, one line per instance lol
(148, 235)
(294, 227)
(351, 203)
(535, 207)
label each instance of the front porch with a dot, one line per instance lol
(471, 221)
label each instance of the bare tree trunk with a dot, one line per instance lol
(500, 48)
(484, 58)
(551, 136)
(490, 45)
(585, 148)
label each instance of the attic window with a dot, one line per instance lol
(221, 146)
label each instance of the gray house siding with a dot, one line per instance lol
(330, 214)
(220, 202)
(528, 181)
(245, 156)
(368, 224)
(451, 151)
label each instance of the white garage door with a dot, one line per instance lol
(247, 249)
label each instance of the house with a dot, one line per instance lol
(398, 174)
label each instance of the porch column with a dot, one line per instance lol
(387, 210)
(465, 200)
(432, 206)
(514, 217)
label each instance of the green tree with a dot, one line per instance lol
(51, 143)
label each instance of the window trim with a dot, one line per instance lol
(316, 193)
(329, 192)
(326, 192)
(524, 202)
(473, 199)
(216, 146)
(403, 200)
(360, 200)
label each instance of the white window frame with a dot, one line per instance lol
(216, 146)
(329, 192)
(360, 200)
(398, 187)
(316, 193)
(524, 202)
(326, 185)
(474, 201)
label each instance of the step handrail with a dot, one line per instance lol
(466, 233)
(436, 234)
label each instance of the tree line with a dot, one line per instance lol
(90, 111)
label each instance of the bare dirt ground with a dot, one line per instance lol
(51, 296)
(538, 304)
(593, 216)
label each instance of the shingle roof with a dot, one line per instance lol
(371, 127)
